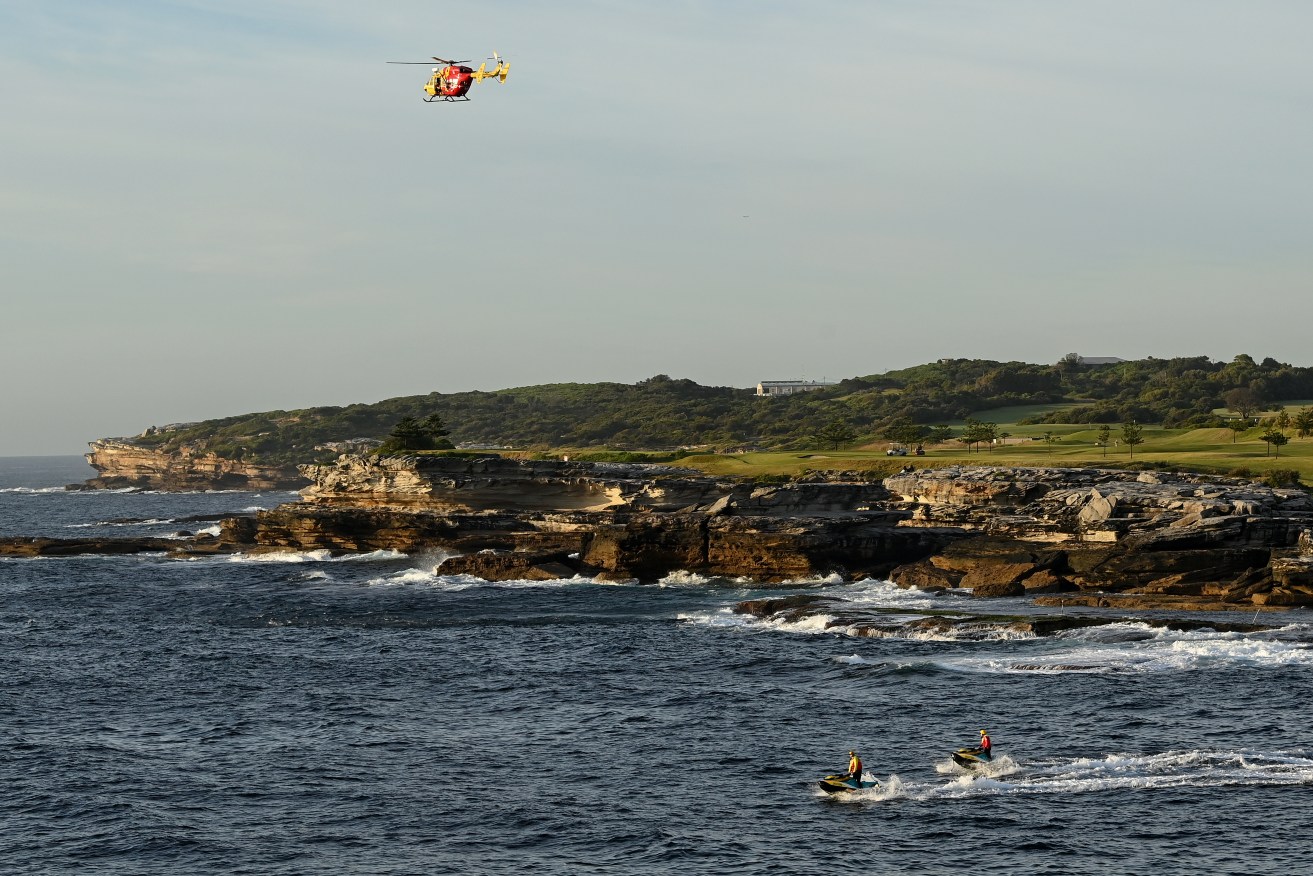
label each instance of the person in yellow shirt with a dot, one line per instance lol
(854, 768)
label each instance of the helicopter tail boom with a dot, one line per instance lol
(499, 72)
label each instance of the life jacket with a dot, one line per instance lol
(985, 745)
(855, 766)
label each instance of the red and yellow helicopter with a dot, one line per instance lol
(452, 82)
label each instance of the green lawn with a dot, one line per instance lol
(1208, 450)
(1012, 414)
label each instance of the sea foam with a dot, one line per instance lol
(1125, 771)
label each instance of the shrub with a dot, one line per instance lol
(1281, 477)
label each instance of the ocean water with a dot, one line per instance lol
(303, 714)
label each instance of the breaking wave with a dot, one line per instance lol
(428, 577)
(322, 555)
(1140, 648)
(32, 490)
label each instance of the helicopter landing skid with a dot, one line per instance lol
(441, 99)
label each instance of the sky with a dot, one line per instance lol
(214, 207)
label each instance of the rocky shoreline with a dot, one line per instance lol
(1097, 536)
(1060, 537)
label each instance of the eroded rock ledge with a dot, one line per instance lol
(123, 464)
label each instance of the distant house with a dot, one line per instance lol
(1100, 360)
(789, 387)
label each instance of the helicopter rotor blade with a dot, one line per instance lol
(425, 63)
(445, 61)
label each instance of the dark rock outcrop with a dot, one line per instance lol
(869, 622)
(76, 547)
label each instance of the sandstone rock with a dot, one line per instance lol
(783, 549)
(970, 486)
(999, 588)
(512, 566)
(723, 505)
(985, 580)
(492, 483)
(925, 575)
(1293, 572)
(793, 606)
(648, 547)
(1286, 596)
(1175, 585)
(124, 464)
(1098, 509)
(1127, 570)
(1046, 581)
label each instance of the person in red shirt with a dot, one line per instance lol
(986, 749)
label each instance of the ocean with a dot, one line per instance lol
(302, 714)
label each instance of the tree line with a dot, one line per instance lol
(664, 413)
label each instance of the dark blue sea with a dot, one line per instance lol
(303, 714)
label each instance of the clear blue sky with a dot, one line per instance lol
(213, 207)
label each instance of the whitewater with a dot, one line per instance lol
(303, 713)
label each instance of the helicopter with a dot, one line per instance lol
(452, 82)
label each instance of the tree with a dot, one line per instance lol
(939, 434)
(1131, 435)
(407, 434)
(437, 431)
(1105, 437)
(1273, 439)
(836, 433)
(1049, 440)
(1282, 419)
(975, 431)
(904, 431)
(1304, 423)
(1243, 401)
(1237, 425)
(988, 434)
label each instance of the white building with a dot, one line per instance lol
(789, 387)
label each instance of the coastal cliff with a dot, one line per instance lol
(1080, 536)
(616, 521)
(123, 464)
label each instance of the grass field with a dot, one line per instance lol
(1017, 412)
(1204, 450)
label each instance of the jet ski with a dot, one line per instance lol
(841, 783)
(971, 757)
